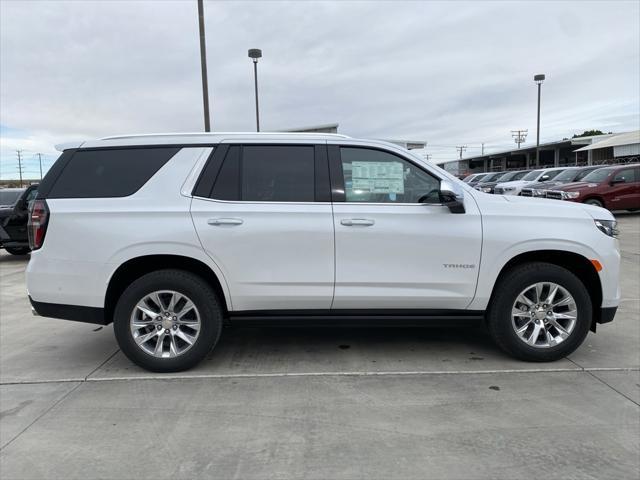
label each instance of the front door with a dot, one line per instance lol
(624, 190)
(266, 221)
(396, 246)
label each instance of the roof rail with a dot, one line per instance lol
(200, 134)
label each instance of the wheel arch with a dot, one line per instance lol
(595, 197)
(574, 262)
(136, 267)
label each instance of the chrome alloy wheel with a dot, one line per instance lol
(544, 315)
(165, 324)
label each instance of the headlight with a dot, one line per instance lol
(509, 189)
(570, 194)
(608, 227)
(486, 189)
(539, 193)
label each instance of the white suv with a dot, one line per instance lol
(172, 236)
(514, 187)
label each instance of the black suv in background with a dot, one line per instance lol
(14, 213)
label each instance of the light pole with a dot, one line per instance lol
(203, 66)
(538, 79)
(255, 54)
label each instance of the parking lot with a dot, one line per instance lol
(319, 402)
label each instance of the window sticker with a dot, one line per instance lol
(377, 177)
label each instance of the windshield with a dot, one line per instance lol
(597, 175)
(511, 176)
(567, 175)
(583, 173)
(492, 177)
(9, 197)
(532, 175)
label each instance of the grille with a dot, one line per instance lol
(554, 194)
(526, 192)
(498, 191)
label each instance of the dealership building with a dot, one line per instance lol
(594, 150)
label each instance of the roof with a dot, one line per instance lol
(196, 138)
(629, 138)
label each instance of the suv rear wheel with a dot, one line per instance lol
(168, 320)
(540, 312)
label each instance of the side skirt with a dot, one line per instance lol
(356, 318)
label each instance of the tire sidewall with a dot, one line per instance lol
(198, 291)
(500, 321)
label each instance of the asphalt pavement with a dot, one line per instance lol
(319, 402)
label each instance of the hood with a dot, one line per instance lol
(547, 184)
(567, 209)
(573, 186)
(516, 183)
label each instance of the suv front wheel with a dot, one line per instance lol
(540, 312)
(168, 320)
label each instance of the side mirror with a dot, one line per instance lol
(452, 196)
(543, 178)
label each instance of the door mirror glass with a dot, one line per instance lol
(452, 196)
(543, 178)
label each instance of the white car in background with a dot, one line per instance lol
(540, 175)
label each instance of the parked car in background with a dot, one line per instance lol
(489, 186)
(490, 177)
(475, 178)
(13, 219)
(614, 188)
(515, 186)
(171, 236)
(572, 174)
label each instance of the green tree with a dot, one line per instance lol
(589, 133)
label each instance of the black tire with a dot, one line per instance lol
(594, 201)
(186, 283)
(509, 287)
(17, 250)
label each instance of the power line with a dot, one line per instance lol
(519, 136)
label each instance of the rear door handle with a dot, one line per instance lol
(225, 221)
(357, 222)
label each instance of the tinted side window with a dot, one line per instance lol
(627, 175)
(227, 186)
(276, 173)
(374, 176)
(109, 172)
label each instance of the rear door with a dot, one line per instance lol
(263, 214)
(397, 247)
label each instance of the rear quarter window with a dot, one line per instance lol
(109, 172)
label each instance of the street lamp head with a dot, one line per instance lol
(255, 54)
(539, 78)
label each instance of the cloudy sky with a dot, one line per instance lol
(450, 73)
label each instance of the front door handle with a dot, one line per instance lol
(357, 222)
(225, 221)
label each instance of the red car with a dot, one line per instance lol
(615, 188)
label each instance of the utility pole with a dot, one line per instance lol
(538, 79)
(19, 152)
(203, 66)
(519, 136)
(461, 149)
(482, 150)
(40, 159)
(427, 156)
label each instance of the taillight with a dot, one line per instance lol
(37, 224)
